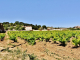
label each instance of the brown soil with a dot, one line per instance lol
(42, 49)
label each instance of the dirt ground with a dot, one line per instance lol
(42, 49)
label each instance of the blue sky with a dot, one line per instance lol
(56, 13)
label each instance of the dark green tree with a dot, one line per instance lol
(44, 27)
(22, 28)
(39, 26)
(17, 22)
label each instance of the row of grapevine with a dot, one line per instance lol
(76, 40)
(12, 36)
(31, 36)
(2, 35)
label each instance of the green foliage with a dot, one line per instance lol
(5, 28)
(32, 57)
(17, 28)
(44, 27)
(2, 35)
(7, 24)
(57, 36)
(22, 28)
(76, 41)
(11, 28)
(63, 41)
(31, 40)
(12, 36)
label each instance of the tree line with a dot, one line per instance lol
(20, 26)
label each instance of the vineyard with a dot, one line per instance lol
(62, 37)
(57, 45)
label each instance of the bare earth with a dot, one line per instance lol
(42, 49)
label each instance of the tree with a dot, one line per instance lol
(17, 22)
(21, 23)
(39, 26)
(5, 22)
(17, 28)
(44, 27)
(35, 27)
(22, 28)
(11, 24)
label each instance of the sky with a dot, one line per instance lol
(55, 13)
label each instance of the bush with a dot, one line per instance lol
(22, 28)
(11, 28)
(17, 28)
(5, 28)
